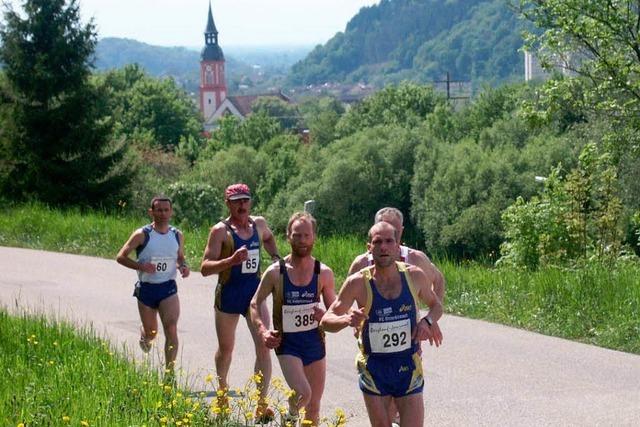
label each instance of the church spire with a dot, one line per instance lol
(211, 32)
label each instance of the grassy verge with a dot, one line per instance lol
(51, 376)
(597, 304)
(55, 376)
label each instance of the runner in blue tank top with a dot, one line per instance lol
(233, 252)
(296, 283)
(407, 255)
(388, 331)
(160, 255)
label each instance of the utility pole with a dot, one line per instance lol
(448, 82)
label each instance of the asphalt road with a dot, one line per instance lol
(484, 374)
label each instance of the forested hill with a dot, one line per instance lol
(420, 40)
(178, 62)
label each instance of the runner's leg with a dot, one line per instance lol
(411, 410)
(263, 354)
(226, 325)
(377, 410)
(149, 318)
(169, 310)
(294, 375)
(315, 373)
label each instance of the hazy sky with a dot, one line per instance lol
(239, 22)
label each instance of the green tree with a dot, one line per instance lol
(155, 111)
(58, 141)
(598, 40)
(406, 105)
(284, 112)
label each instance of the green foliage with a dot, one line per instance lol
(284, 112)
(57, 376)
(597, 41)
(321, 117)
(56, 132)
(238, 163)
(155, 169)
(180, 63)
(351, 179)
(596, 304)
(473, 165)
(575, 219)
(255, 131)
(419, 41)
(195, 204)
(405, 105)
(151, 111)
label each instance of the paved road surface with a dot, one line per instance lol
(485, 374)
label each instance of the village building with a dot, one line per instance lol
(214, 100)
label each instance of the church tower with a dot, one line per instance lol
(213, 89)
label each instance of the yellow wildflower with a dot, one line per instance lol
(66, 419)
(20, 424)
(307, 422)
(84, 423)
(163, 420)
(208, 378)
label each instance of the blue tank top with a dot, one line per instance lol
(247, 273)
(387, 331)
(295, 305)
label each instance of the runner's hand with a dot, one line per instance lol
(184, 271)
(425, 332)
(356, 316)
(271, 338)
(318, 313)
(147, 267)
(240, 255)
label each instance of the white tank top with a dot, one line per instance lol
(162, 251)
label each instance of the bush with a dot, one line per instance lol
(195, 204)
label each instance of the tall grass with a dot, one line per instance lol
(55, 376)
(596, 304)
(51, 376)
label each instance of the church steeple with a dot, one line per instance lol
(213, 88)
(211, 51)
(211, 33)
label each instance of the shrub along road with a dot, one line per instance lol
(484, 374)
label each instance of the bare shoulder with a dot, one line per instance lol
(259, 220)
(359, 262)
(417, 255)
(325, 269)
(417, 275)
(261, 223)
(273, 271)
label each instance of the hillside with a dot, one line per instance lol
(421, 40)
(183, 64)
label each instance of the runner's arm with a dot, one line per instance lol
(136, 239)
(268, 240)
(339, 315)
(270, 337)
(211, 261)
(183, 268)
(427, 327)
(419, 259)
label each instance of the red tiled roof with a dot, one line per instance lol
(244, 103)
